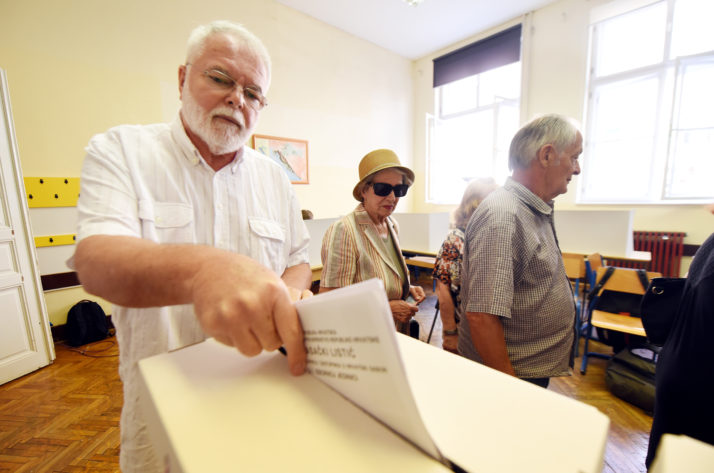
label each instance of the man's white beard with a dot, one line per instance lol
(220, 136)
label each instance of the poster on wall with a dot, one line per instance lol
(289, 153)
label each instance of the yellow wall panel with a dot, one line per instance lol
(52, 191)
(55, 240)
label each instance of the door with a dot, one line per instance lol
(24, 325)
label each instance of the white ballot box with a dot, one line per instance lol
(374, 401)
(679, 453)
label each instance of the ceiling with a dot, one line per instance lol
(414, 31)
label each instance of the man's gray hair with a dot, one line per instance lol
(557, 130)
(197, 40)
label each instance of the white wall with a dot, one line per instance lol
(77, 67)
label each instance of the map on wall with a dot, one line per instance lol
(289, 153)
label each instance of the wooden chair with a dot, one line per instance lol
(575, 271)
(621, 280)
(592, 263)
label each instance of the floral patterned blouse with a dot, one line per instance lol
(447, 267)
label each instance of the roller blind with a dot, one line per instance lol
(495, 51)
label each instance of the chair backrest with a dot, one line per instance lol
(624, 280)
(592, 263)
(574, 265)
(595, 260)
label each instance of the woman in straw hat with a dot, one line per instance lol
(364, 244)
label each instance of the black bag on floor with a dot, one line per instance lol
(86, 323)
(630, 375)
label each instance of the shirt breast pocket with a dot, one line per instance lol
(167, 222)
(267, 241)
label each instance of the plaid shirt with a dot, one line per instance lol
(513, 268)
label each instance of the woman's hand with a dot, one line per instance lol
(417, 292)
(402, 311)
(299, 294)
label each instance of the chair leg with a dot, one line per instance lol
(584, 364)
(586, 354)
(578, 327)
(587, 326)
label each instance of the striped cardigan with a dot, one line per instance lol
(353, 251)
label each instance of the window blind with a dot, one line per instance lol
(495, 51)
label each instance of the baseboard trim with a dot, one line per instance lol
(59, 281)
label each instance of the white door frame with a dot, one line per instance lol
(28, 339)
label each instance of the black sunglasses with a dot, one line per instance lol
(383, 189)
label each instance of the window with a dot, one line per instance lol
(650, 127)
(476, 97)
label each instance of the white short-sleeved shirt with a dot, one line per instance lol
(149, 181)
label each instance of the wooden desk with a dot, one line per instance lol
(574, 265)
(415, 263)
(635, 256)
(421, 261)
(410, 253)
(635, 260)
(316, 272)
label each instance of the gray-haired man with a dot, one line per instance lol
(515, 294)
(190, 233)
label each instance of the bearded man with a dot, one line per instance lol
(190, 233)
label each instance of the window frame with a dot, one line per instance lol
(667, 73)
(495, 107)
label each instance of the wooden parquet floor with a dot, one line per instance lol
(630, 426)
(64, 417)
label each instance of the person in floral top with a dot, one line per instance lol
(447, 268)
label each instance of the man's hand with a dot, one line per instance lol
(298, 294)
(245, 305)
(402, 311)
(450, 343)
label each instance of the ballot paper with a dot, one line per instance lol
(461, 413)
(352, 347)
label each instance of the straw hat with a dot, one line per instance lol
(376, 161)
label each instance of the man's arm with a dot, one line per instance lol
(489, 339)
(236, 300)
(298, 278)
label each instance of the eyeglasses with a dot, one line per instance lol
(222, 81)
(383, 189)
